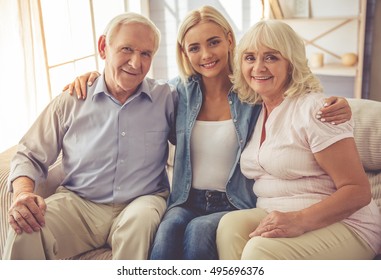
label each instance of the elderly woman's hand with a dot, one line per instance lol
(280, 224)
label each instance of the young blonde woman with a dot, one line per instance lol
(313, 196)
(212, 128)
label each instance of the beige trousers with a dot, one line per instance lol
(336, 241)
(75, 225)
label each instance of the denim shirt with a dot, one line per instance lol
(238, 189)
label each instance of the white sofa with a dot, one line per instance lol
(367, 116)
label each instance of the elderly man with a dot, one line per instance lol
(115, 147)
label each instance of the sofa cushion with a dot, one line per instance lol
(104, 253)
(367, 117)
(375, 181)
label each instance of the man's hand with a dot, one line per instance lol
(27, 211)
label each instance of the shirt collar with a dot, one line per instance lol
(100, 87)
(195, 78)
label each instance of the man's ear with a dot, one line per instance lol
(102, 46)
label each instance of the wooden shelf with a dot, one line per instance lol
(335, 70)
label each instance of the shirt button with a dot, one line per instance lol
(230, 102)
(235, 120)
(123, 133)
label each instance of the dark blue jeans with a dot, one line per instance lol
(188, 231)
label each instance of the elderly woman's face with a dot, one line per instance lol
(266, 71)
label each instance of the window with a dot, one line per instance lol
(47, 44)
(71, 30)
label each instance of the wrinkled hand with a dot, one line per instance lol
(280, 224)
(336, 110)
(26, 213)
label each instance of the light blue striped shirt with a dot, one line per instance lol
(112, 152)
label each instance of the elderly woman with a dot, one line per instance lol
(314, 198)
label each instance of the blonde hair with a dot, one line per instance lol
(203, 14)
(281, 37)
(126, 18)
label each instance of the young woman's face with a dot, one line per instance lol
(207, 48)
(266, 71)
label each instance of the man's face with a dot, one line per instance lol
(128, 58)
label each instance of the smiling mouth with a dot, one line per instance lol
(209, 65)
(130, 73)
(261, 78)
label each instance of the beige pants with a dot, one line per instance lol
(336, 241)
(75, 225)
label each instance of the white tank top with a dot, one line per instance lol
(214, 149)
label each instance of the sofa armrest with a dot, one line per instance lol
(5, 196)
(55, 177)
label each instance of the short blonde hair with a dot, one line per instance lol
(126, 18)
(281, 37)
(203, 14)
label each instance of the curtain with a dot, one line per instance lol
(23, 76)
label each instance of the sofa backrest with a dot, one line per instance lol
(367, 117)
(367, 131)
